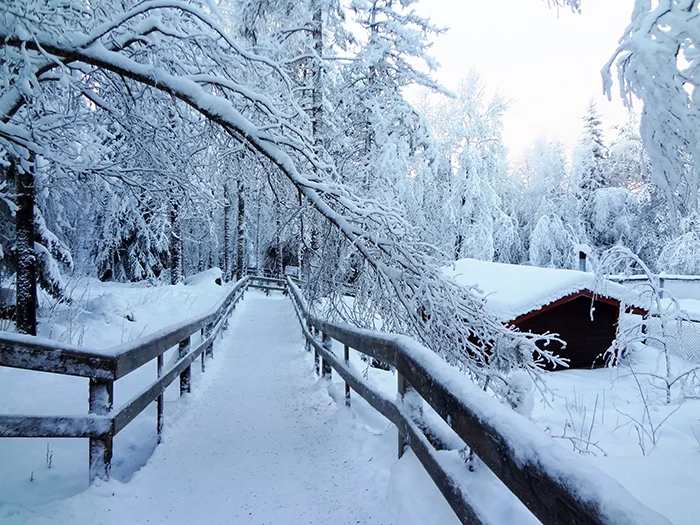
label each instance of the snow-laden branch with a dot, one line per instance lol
(449, 318)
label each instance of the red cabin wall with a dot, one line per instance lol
(587, 340)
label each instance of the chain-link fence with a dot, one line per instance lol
(681, 335)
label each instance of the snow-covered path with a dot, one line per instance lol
(263, 443)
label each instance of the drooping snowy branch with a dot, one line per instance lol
(185, 55)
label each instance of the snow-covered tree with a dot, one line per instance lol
(590, 167)
(552, 244)
(466, 213)
(657, 61)
(628, 162)
(681, 255)
(114, 57)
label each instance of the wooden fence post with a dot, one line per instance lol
(346, 357)
(207, 333)
(308, 343)
(401, 387)
(662, 282)
(101, 399)
(226, 317)
(201, 338)
(186, 376)
(413, 403)
(326, 369)
(159, 401)
(317, 358)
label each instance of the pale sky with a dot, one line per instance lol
(547, 63)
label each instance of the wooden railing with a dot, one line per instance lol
(556, 485)
(103, 368)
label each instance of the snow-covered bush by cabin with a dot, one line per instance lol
(551, 244)
(681, 255)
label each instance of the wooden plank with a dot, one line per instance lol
(267, 288)
(379, 346)
(15, 426)
(254, 278)
(137, 353)
(33, 353)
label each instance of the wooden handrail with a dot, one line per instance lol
(55, 426)
(105, 367)
(556, 485)
(35, 353)
(134, 354)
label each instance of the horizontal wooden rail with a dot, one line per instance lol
(55, 426)
(264, 279)
(135, 354)
(556, 485)
(35, 353)
(104, 368)
(137, 404)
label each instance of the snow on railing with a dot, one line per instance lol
(554, 484)
(104, 367)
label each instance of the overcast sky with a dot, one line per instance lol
(547, 63)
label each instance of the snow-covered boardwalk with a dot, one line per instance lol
(262, 444)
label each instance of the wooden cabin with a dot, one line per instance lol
(584, 313)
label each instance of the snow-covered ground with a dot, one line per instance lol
(596, 413)
(605, 407)
(96, 318)
(261, 440)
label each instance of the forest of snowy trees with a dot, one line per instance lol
(151, 140)
(543, 207)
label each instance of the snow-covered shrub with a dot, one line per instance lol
(551, 244)
(681, 255)
(613, 217)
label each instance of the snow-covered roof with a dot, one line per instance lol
(512, 291)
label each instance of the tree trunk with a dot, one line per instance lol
(301, 256)
(240, 241)
(278, 239)
(459, 242)
(175, 245)
(24, 243)
(227, 233)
